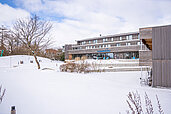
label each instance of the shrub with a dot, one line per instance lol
(75, 67)
(135, 106)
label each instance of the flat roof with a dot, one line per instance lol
(108, 36)
(155, 26)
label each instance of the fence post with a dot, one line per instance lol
(13, 111)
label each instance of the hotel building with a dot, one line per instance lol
(118, 46)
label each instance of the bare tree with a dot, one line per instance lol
(3, 42)
(33, 32)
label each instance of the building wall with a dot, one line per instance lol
(161, 56)
(67, 48)
(145, 58)
(145, 55)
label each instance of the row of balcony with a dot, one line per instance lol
(108, 45)
(111, 39)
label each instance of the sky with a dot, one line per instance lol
(79, 19)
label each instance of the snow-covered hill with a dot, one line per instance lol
(14, 62)
(35, 91)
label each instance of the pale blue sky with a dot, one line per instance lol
(79, 19)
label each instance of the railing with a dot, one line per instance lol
(106, 47)
(113, 42)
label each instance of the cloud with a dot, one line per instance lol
(79, 19)
(9, 14)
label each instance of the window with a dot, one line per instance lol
(94, 46)
(99, 46)
(95, 41)
(111, 39)
(89, 42)
(138, 43)
(103, 46)
(130, 37)
(117, 45)
(83, 43)
(105, 40)
(127, 38)
(120, 37)
(138, 36)
(109, 45)
(128, 44)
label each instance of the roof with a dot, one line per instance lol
(108, 36)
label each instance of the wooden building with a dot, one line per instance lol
(158, 40)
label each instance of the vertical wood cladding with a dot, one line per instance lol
(161, 55)
(145, 58)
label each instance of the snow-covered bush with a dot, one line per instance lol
(135, 106)
(75, 67)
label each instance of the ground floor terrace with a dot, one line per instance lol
(107, 55)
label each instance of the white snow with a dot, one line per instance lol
(49, 91)
(108, 61)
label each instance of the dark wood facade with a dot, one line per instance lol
(158, 39)
(161, 56)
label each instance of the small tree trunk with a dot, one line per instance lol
(38, 64)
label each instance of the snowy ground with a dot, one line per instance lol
(35, 91)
